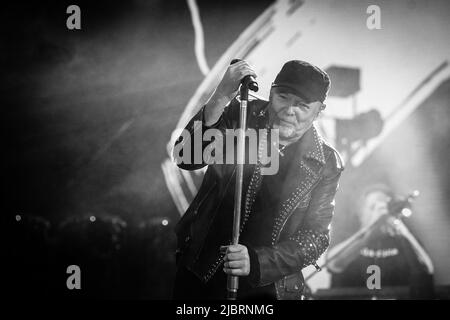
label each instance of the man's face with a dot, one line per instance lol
(375, 205)
(292, 115)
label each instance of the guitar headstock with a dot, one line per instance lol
(401, 207)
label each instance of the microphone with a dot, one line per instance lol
(248, 81)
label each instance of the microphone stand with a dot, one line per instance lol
(233, 281)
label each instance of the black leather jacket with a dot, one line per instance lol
(301, 227)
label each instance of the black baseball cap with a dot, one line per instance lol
(303, 79)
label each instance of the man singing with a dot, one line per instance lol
(285, 216)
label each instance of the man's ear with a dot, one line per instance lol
(271, 92)
(322, 107)
(316, 116)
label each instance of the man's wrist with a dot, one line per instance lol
(214, 108)
(253, 277)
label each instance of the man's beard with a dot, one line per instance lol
(285, 132)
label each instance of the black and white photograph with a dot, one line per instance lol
(225, 155)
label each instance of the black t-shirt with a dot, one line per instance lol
(393, 254)
(258, 230)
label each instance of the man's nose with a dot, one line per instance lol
(290, 111)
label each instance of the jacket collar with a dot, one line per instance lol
(311, 146)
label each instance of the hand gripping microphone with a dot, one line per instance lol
(248, 81)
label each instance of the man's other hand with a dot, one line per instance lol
(236, 260)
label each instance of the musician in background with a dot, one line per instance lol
(387, 243)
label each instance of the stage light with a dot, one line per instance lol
(92, 218)
(164, 222)
(406, 212)
(18, 218)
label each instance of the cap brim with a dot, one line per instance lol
(288, 89)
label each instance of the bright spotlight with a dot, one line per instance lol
(406, 212)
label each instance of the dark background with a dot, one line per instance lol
(86, 118)
(87, 115)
